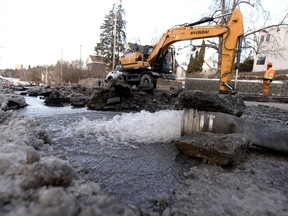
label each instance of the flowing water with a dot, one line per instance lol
(131, 155)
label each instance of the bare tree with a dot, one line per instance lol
(258, 19)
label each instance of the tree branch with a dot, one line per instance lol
(264, 28)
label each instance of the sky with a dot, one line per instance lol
(41, 32)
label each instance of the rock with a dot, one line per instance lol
(52, 201)
(33, 91)
(23, 93)
(119, 96)
(52, 172)
(18, 88)
(113, 100)
(32, 156)
(222, 149)
(40, 91)
(90, 188)
(207, 101)
(121, 88)
(54, 197)
(99, 98)
(149, 87)
(43, 135)
(5, 116)
(81, 90)
(76, 95)
(11, 102)
(78, 100)
(56, 99)
(79, 104)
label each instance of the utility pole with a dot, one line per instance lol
(1, 47)
(80, 57)
(114, 36)
(25, 75)
(46, 75)
(61, 78)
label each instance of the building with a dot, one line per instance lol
(209, 67)
(272, 47)
(96, 66)
(19, 67)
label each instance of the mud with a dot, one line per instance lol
(257, 186)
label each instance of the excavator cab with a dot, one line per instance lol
(165, 62)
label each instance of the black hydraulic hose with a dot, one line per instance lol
(205, 19)
(267, 137)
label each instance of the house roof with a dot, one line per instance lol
(135, 47)
(95, 59)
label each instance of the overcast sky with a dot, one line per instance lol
(34, 32)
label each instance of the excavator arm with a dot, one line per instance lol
(229, 33)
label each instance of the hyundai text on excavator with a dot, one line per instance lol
(145, 64)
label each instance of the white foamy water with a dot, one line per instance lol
(142, 127)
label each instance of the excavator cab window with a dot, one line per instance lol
(147, 51)
(167, 60)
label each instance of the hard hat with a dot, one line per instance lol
(269, 64)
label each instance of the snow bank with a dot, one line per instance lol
(32, 182)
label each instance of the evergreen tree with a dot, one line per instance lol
(247, 64)
(201, 56)
(196, 64)
(105, 47)
(190, 65)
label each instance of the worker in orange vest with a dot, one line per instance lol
(268, 78)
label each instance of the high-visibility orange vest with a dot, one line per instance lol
(269, 74)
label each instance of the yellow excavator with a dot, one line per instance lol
(145, 64)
